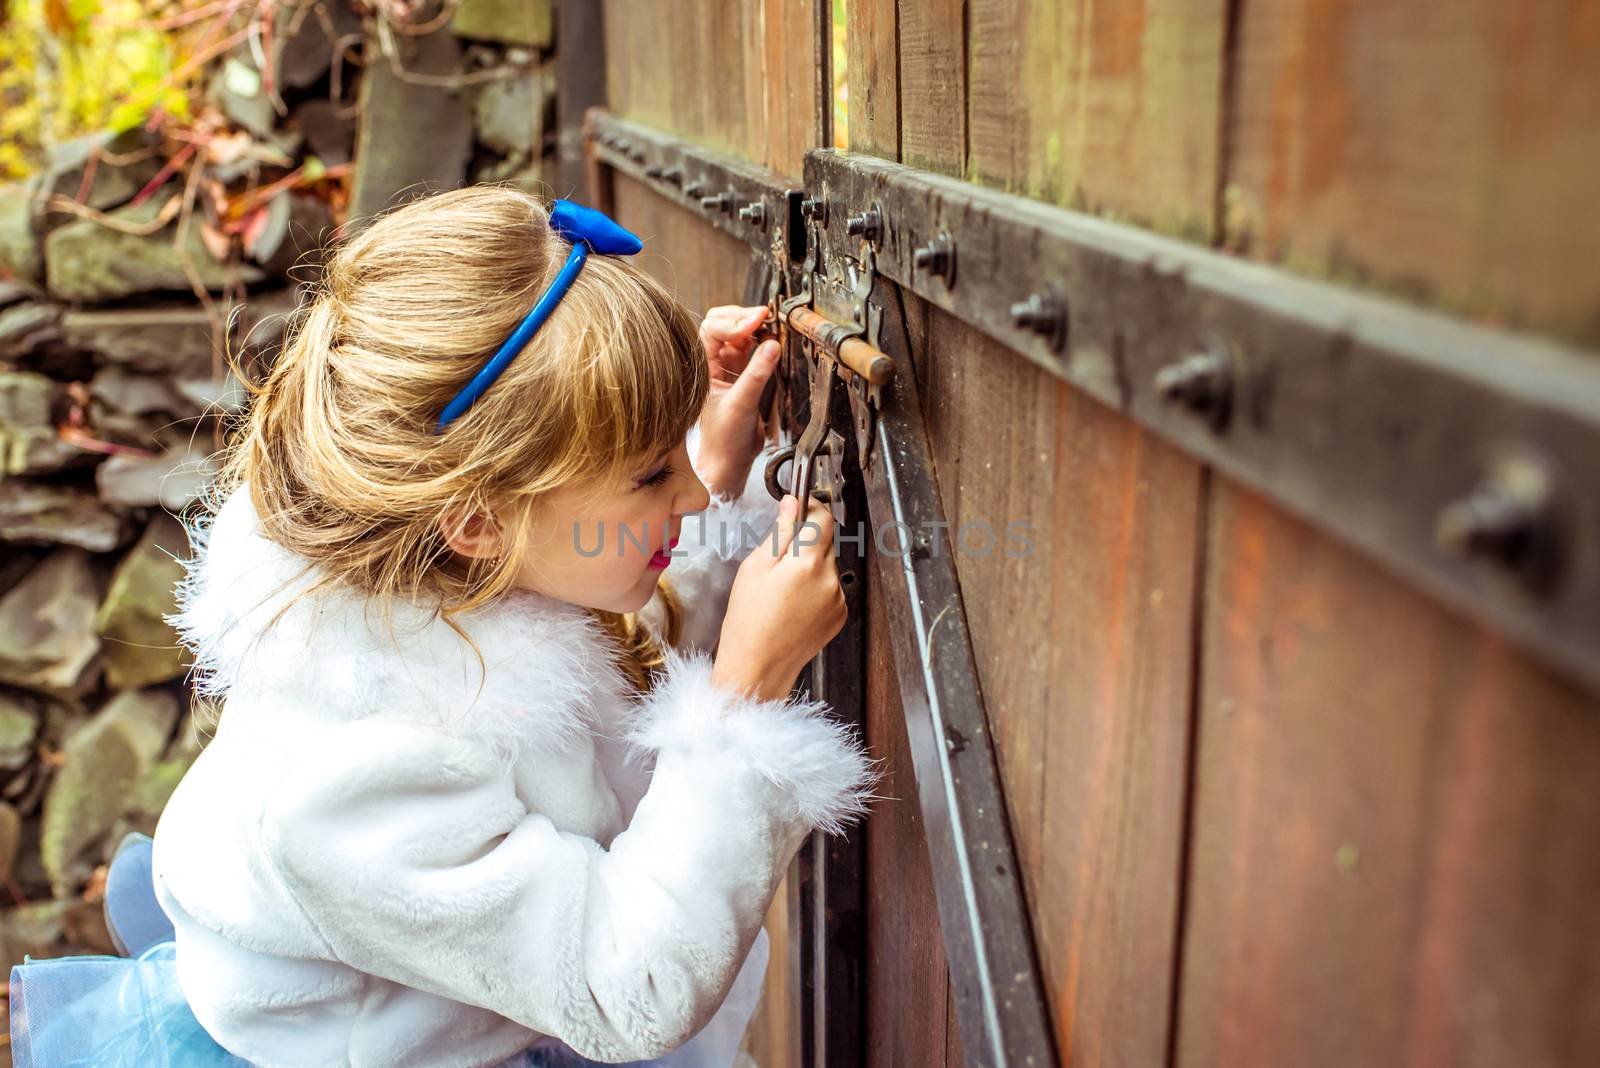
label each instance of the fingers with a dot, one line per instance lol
(746, 389)
(814, 531)
(731, 326)
(785, 529)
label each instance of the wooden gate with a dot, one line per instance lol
(1280, 746)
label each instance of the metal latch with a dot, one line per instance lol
(840, 350)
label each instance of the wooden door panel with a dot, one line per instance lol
(703, 267)
(1394, 848)
(1109, 108)
(1085, 648)
(1444, 152)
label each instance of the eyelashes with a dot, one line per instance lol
(657, 478)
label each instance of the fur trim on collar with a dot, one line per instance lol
(244, 611)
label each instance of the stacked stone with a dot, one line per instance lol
(115, 396)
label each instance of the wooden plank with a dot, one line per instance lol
(1084, 649)
(580, 85)
(1394, 853)
(717, 67)
(874, 79)
(788, 80)
(907, 979)
(692, 67)
(703, 267)
(773, 1038)
(1090, 713)
(1109, 108)
(1444, 152)
(933, 86)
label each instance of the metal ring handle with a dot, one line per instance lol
(774, 465)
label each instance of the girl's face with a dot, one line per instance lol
(605, 547)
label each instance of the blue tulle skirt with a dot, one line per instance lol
(130, 1012)
(108, 1012)
(113, 1012)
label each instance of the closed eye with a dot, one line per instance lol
(657, 478)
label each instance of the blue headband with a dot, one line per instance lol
(589, 231)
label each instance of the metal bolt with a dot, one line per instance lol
(638, 155)
(937, 257)
(869, 224)
(1044, 314)
(756, 213)
(695, 188)
(653, 171)
(1201, 382)
(673, 175)
(716, 202)
(812, 208)
(1507, 520)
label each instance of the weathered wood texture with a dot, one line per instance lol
(1084, 647)
(740, 77)
(773, 1036)
(1394, 853)
(703, 267)
(1444, 152)
(909, 1016)
(1393, 811)
(1110, 108)
(1272, 807)
(873, 53)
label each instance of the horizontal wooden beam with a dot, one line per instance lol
(1465, 458)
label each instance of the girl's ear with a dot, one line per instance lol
(473, 533)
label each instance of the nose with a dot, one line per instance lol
(696, 497)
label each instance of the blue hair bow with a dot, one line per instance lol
(589, 231)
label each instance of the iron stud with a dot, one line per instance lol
(869, 224)
(937, 257)
(1201, 382)
(1507, 519)
(1044, 314)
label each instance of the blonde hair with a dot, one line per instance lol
(339, 449)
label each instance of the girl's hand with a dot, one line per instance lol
(731, 428)
(786, 604)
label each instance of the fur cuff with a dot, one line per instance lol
(817, 761)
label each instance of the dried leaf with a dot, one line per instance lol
(265, 230)
(216, 242)
(225, 148)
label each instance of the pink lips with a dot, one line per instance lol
(661, 559)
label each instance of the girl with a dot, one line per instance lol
(487, 788)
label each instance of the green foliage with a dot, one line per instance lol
(72, 67)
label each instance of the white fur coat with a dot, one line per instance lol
(387, 857)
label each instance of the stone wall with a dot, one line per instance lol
(115, 315)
